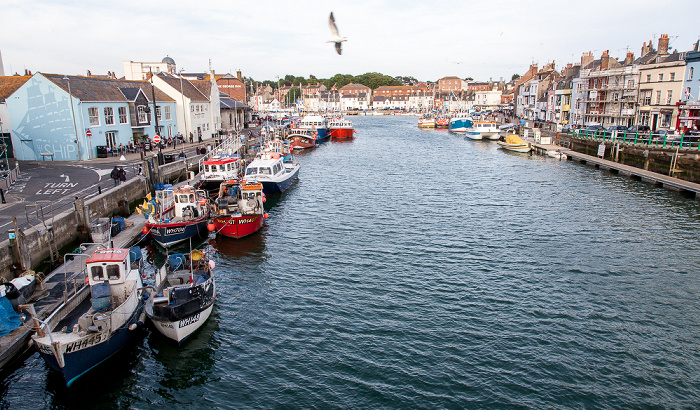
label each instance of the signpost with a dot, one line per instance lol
(156, 139)
(88, 133)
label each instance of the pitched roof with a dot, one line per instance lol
(103, 89)
(188, 89)
(204, 86)
(9, 84)
(230, 103)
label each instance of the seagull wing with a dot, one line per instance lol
(338, 47)
(334, 28)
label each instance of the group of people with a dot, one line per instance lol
(118, 175)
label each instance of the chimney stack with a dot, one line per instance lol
(239, 75)
(629, 59)
(586, 59)
(663, 44)
(605, 60)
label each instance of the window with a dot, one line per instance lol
(687, 93)
(673, 76)
(690, 76)
(661, 77)
(168, 117)
(669, 97)
(658, 97)
(191, 108)
(94, 115)
(96, 272)
(122, 115)
(647, 98)
(113, 272)
(666, 120)
(159, 114)
(648, 78)
(143, 116)
(630, 83)
(644, 118)
(197, 108)
(109, 116)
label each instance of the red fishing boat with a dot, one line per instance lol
(238, 210)
(302, 138)
(341, 128)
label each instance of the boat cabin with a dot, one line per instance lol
(111, 265)
(221, 167)
(312, 122)
(265, 167)
(189, 203)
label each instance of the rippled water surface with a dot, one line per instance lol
(414, 268)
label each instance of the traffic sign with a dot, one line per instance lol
(156, 139)
(89, 133)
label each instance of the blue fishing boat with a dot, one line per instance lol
(99, 320)
(460, 122)
(185, 218)
(272, 172)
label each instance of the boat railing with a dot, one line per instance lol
(230, 145)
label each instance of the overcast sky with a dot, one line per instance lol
(424, 39)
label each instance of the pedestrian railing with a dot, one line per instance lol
(660, 139)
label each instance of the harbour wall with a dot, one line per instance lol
(34, 245)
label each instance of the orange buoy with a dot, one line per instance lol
(265, 215)
(211, 227)
(202, 201)
(145, 230)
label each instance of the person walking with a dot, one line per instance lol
(115, 175)
(191, 137)
(140, 170)
(122, 175)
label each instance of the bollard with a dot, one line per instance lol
(2, 196)
(99, 190)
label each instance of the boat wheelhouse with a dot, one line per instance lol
(340, 128)
(217, 169)
(460, 122)
(483, 130)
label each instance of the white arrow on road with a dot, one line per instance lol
(66, 176)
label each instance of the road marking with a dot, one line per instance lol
(66, 176)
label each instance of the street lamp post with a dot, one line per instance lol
(155, 113)
(185, 113)
(75, 126)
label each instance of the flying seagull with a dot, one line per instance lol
(336, 37)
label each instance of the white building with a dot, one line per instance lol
(138, 71)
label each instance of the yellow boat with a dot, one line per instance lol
(515, 143)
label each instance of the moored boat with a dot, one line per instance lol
(514, 143)
(239, 210)
(302, 139)
(280, 147)
(460, 122)
(427, 121)
(483, 130)
(217, 169)
(272, 172)
(442, 122)
(340, 128)
(184, 295)
(315, 123)
(187, 217)
(99, 320)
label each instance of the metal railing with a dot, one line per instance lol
(230, 145)
(658, 139)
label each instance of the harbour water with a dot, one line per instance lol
(415, 268)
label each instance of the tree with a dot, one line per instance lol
(515, 77)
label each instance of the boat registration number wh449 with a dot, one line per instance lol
(188, 321)
(85, 342)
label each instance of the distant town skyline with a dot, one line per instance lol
(479, 39)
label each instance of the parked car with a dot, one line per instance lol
(641, 129)
(619, 128)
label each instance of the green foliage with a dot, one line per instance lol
(371, 80)
(515, 77)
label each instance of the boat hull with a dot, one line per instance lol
(474, 135)
(301, 142)
(279, 186)
(177, 322)
(342, 133)
(460, 124)
(238, 226)
(524, 148)
(169, 234)
(79, 362)
(182, 329)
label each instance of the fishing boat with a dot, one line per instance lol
(483, 130)
(460, 122)
(315, 123)
(272, 172)
(302, 139)
(99, 320)
(514, 143)
(442, 122)
(428, 121)
(217, 169)
(187, 217)
(340, 128)
(184, 295)
(238, 210)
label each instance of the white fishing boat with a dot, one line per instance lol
(483, 130)
(184, 295)
(514, 143)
